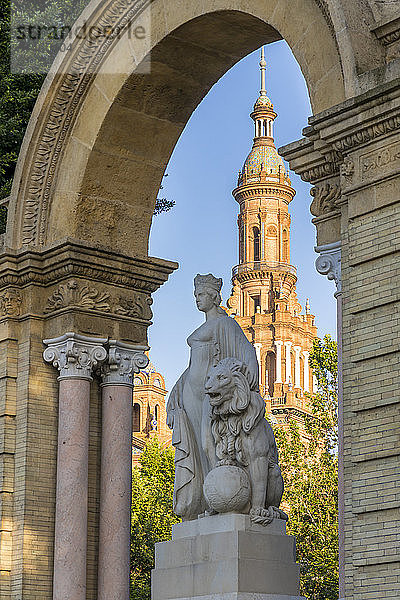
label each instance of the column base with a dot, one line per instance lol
(226, 557)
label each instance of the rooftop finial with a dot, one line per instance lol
(308, 307)
(263, 64)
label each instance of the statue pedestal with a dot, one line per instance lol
(226, 557)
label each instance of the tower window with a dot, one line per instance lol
(271, 371)
(256, 303)
(256, 242)
(136, 417)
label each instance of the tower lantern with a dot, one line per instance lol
(263, 299)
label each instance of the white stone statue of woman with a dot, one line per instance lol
(188, 407)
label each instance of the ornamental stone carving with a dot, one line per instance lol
(75, 355)
(329, 263)
(347, 167)
(135, 306)
(73, 294)
(326, 198)
(10, 303)
(123, 361)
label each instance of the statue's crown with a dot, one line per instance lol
(215, 283)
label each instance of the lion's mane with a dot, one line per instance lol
(236, 416)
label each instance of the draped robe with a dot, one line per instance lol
(216, 339)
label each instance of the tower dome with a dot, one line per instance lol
(263, 159)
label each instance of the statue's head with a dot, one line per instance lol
(207, 290)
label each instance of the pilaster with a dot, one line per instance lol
(350, 153)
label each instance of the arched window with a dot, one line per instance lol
(136, 417)
(270, 249)
(157, 382)
(156, 416)
(137, 381)
(256, 242)
(285, 245)
(270, 366)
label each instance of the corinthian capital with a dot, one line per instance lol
(123, 361)
(75, 355)
(329, 263)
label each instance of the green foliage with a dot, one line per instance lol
(310, 475)
(152, 514)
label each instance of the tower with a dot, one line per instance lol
(149, 414)
(263, 299)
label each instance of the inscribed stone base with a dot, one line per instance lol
(226, 557)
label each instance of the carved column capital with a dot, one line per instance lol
(74, 355)
(329, 263)
(123, 361)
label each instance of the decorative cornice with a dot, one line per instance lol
(326, 198)
(123, 361)
(10, 303)
(73, 259)
(367, 133)
(74, 355)
(75, 294)
(329, 263)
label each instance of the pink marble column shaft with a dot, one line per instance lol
(72, 491)
(115, 492)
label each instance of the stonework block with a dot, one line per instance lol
(226, 556)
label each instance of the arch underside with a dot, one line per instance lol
(98, 144)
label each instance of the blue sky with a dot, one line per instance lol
(200, 232)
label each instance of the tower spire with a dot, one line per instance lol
(263, 64)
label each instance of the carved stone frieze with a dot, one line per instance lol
(135, 306)
(379, 160)
(74, 355)
(347, 167)
(326, 198)
(10, 303)
(123, 361)
(76, 294)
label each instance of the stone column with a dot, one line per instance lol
(116, 469)
(329, 263)
(306, 355)
(75, 356)
(278, 346)
(297, 380)
(288, 362)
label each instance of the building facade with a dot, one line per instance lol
(264, 300)
(149, 415)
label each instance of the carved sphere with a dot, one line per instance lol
(227, 489)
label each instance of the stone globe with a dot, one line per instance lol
(227, 489)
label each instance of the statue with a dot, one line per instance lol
(221, 438)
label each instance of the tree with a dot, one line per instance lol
(310, 475)
(152, 513)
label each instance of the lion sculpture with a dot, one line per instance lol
(244, 438)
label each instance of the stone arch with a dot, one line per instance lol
(88, 168)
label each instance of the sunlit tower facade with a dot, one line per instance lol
(264, 300)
